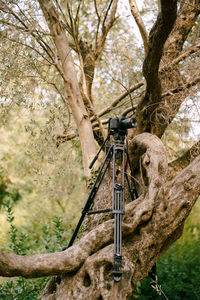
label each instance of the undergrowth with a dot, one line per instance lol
(53, 238)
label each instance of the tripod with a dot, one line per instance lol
(118, 152)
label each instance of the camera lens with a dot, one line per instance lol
(120, 123)
(129, 123)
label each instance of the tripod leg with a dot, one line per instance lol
(133, 191)
(118, 211)
(92, 194)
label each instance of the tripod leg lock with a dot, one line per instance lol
(118, 211)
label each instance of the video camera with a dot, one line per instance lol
(120, 123)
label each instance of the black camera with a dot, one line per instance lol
(120, 123)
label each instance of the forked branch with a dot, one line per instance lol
(183, 161)
(107, 23)
(157, 38)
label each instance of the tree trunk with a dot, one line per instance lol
(69, 75)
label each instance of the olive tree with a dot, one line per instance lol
(167, 192)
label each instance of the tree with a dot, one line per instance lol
(156, 219)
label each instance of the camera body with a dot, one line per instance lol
(120, 123)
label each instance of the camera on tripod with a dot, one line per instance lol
(118, 149)
(120, 123)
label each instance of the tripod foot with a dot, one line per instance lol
(117, 269)
(64, 248)
(117, 276)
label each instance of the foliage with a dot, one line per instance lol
(22, 289)
(7, 189)
(36, 172)
(54, 236)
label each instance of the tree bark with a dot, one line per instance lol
(146, 110)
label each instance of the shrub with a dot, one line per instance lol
(53, 239)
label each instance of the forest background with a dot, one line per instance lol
(42, 184)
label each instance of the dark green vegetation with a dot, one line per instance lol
(51, 237)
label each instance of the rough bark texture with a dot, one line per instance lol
(183, 161)
(157, 38)
(150, 225)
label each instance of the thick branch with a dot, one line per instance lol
(155, 112)
(185, 21)
(183, 161)
(71, 83)
(174, 84)
(56, 263)
(150, 225)
(157, 38)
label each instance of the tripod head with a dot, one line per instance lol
(118, 128)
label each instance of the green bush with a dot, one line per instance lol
(53, 238)
(22, 289)
(178, 274)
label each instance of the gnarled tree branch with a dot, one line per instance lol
(185, 21)
(183, 161)
(157, 38)
(155, 112)
(40, 265)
